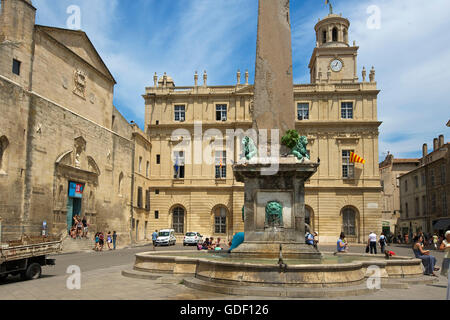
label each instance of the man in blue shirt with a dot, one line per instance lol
(310, 239)
(154, 237)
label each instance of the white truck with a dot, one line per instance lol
(27, 256)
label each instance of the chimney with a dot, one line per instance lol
(435, 144)
(441, 141)
(424, 150)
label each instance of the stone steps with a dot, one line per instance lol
(77, 245)
(277, 292)
(161, 278)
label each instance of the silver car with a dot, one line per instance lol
(192, 238)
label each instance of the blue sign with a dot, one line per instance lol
(76, 190)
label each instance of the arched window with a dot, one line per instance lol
(120, 182)
(335, 34)
(349, 222)
(147, 169)
(3, 145)
(178, 220)
(324, 36)
(220, 220)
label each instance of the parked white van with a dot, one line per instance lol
(166, 237)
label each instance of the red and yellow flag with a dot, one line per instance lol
(354, 158)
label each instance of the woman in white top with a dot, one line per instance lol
(445, 246)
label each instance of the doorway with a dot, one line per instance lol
(74, 203)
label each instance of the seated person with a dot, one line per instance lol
(212, 245)
(205, 244)
(342, 245)
(428, 260)
(218, 248)
(310, 239)
(316, 239)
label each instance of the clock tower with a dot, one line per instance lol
(333, 59)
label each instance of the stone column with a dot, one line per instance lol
(274, 99)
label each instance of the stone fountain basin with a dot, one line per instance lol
(203, 266)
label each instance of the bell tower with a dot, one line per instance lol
(333, 59)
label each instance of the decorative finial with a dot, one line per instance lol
(238, 75)
(364, 74)
(372, 75)
(196, 78)
(246, 77)
(155, 79)
(205, 78)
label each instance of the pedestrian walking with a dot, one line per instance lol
(97, 240)
(382, 242)
(373, 243)
(101, 240)
(154, 237)
(114, 237)
(109, 240)
(445, 246)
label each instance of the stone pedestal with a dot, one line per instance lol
(287, 188)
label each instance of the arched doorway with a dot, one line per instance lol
(178, 215)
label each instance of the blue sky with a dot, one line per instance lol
(410, 52)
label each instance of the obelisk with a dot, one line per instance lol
(274, 205)
(273, 97)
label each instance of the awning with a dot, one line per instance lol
(441, 224)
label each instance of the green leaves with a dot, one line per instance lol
(290, 139)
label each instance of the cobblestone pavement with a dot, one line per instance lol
(101, 279)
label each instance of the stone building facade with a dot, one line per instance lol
(425, 192)
(192, 131)
(64, 147)
(390, 171)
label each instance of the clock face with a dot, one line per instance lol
(336, 65)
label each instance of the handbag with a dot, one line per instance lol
(367, 249)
